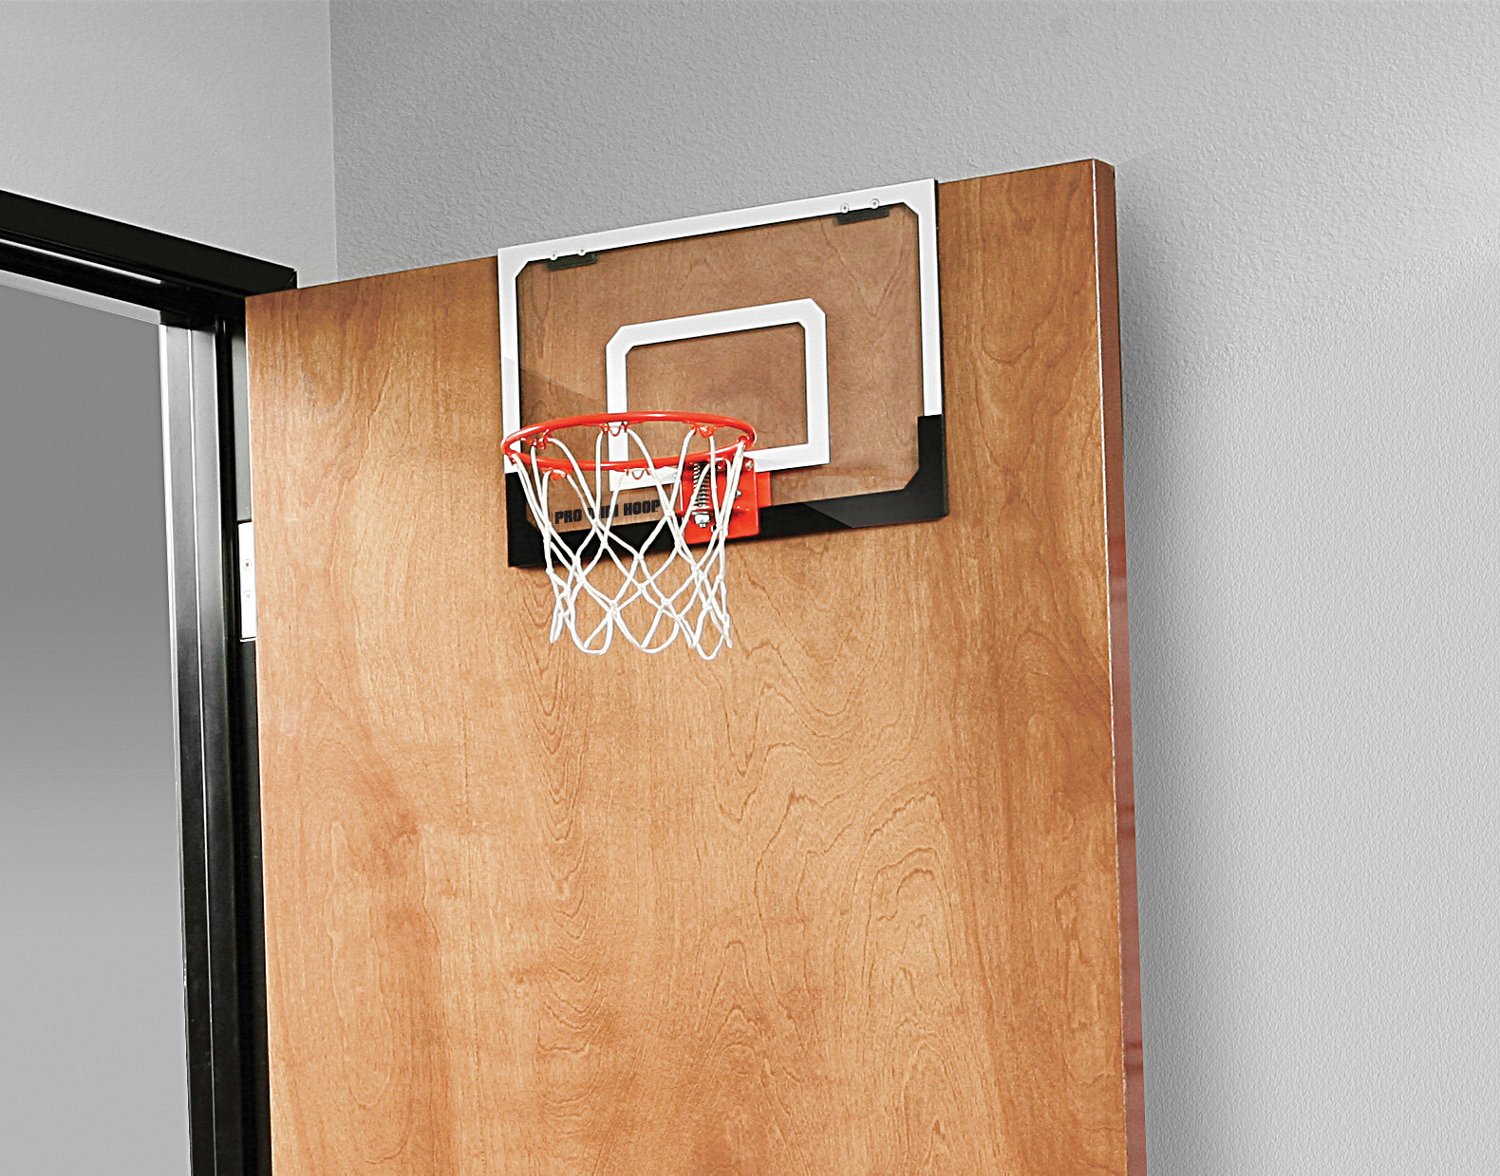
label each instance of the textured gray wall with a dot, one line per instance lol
(209, 121)
(1309, 205)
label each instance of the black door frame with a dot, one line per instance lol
(198, 293)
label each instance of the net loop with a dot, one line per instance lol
(607, 581)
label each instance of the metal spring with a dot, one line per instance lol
(701, 506)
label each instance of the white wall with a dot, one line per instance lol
(204, 120)
(1309, 203)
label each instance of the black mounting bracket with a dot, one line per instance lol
(924, 498)
(572, 260)
(855, 215)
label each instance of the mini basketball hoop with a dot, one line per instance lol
(650, 582)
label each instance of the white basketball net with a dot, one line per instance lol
(605, 585)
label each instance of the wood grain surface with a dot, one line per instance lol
(855, 899)
(865, 278)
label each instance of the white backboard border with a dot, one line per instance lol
(803, 312)
(918, 195)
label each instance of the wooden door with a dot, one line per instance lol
(856, 898)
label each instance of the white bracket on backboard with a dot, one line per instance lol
(803, 312)
(918, 195)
